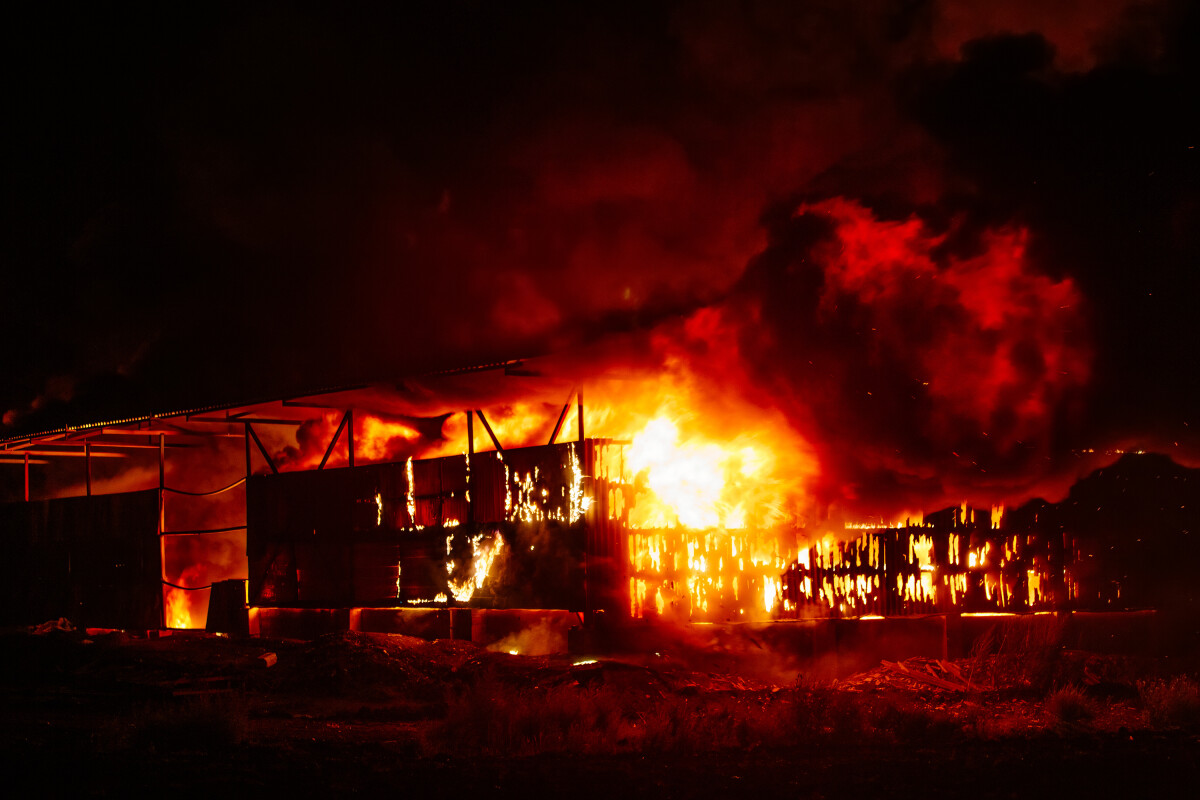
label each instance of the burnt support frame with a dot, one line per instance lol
(332, 442)
(162, 525)
(250, 434)
(489, 430)
(470, 455)
(562, 417)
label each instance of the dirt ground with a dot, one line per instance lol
(102, 713)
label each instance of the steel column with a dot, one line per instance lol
(579, 400)
(470, 453)
(561, 418)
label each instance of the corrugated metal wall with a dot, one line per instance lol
(373, 536)
(95, 560)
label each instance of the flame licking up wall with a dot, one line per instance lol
(464, 581)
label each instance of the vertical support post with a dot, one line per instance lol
(350, 435)
(162, 526)
(470, 453)
(27, 477)
(87, 464)
(246, 434)
(579, 400)
(589, 541)
(162, 483)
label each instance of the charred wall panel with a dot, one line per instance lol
(311, 536)
(95, 560)
(381, 534)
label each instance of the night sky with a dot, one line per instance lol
(224, 203)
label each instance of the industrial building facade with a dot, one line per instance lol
(538, 527)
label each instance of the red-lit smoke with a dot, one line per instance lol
(921, 373)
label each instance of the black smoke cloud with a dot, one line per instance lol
(226, 203)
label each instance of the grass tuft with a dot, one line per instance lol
(1174, 703)
(1021, 653)
(1070, 704)
(497, 719)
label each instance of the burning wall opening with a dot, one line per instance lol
(518, 528)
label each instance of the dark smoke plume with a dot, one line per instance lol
(218, 204)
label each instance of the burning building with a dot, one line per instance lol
(374, 508)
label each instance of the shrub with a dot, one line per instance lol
(1070, 704)
(1173, 703)
(1022, 652)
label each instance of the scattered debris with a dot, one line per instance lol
(908, 674)
(924, 672)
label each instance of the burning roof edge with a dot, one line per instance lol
(13, 443)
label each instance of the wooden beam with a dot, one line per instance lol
(333, 441)
(250, 432)
(64, 453)
(240, 420)
(470, 453)
(320, 406)
(32, 441)
(579, 400)
(135, 445)
(489, 430)
(561, 418)
(172, 429)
